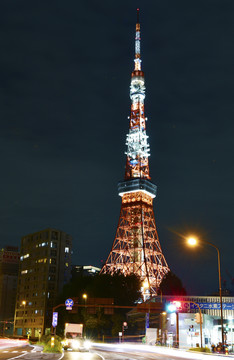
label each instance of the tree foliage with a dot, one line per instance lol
(171, 285)
(125, 291)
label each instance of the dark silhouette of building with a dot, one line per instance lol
(9, 265)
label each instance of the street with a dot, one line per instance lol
(144, 352)
(25, 352)
(107, 352)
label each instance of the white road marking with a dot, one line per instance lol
(61, 356)
(16, 357)
(99, 355)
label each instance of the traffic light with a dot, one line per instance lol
(171, 308)
(174, 306)
(198, 318)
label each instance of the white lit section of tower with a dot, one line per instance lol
(137, 144)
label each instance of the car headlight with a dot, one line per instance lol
(87, 344)
(75, 344)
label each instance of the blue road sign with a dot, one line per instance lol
(69, 303)
(55, 319)
(213, 306)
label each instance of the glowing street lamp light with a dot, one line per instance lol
(192, 241)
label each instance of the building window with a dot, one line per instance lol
(52, 269)
(54, 235)
(53, 245)
(24, 272)
(53, 253)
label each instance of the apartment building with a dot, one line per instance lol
(45, 266)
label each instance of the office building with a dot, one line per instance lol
(45, 266)
(85, 270)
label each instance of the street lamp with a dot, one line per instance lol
(23, 303)
(85, 299)
(193, 242)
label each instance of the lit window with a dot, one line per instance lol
(24, 271)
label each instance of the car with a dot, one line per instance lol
(77, 344)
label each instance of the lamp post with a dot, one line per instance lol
(23, 303)
(193, 242)
(85, 299)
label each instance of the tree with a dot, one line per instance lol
(171, 285)
(125, 290)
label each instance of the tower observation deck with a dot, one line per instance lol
(136, 247)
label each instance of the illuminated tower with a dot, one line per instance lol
(136, 248)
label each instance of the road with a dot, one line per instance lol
(144, 352)
(17, 352)
(107, 352)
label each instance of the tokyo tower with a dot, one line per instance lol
(136, 248)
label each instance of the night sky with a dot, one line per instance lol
(65, 71)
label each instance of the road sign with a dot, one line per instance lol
(69, 303)
(55, 319)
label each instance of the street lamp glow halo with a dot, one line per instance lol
(192, 241)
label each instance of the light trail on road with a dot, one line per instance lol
(136, 351)
(6, 343)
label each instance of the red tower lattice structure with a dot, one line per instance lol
(136, 247)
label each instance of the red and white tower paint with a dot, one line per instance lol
(136, 248)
